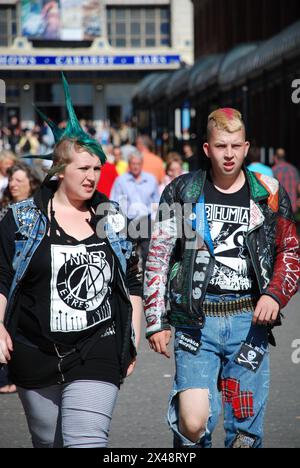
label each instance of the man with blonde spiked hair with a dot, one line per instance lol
(223, 262)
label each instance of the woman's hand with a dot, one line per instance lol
(6, 346)
(131, 367)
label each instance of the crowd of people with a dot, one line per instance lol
(50, 210)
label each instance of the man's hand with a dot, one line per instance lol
(6, 346)
(266, 311)
(159, 342)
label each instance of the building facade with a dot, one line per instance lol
(247, 55)
(221, 24)
(104, 46)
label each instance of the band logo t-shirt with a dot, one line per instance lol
(67, 299)
(228, 219)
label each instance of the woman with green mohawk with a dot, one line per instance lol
(70, 297)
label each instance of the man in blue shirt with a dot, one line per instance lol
(255, 164)
(138, 196)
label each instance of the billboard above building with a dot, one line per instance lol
(74, 20)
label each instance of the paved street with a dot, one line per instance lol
(139, 419)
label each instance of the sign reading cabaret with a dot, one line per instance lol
(87, 60)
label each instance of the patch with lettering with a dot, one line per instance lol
(189, 343)
(244, 440)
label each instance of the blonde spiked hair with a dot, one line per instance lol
(227, 119)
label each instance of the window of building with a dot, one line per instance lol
(8, 24)
(138, 27)
(12, 93)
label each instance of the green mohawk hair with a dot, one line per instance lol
(73, 130)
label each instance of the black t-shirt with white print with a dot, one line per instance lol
(67, 292)
(228, 219)
(67, 298)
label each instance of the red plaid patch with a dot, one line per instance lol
(242, 405)
(230, 388)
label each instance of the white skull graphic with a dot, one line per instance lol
(251, 355)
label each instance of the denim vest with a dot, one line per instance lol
(32, 224)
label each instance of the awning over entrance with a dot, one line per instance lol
(178, 83)
(204, 70)
(270, 53)
(141, 88)
(157, 88)
(232, 62)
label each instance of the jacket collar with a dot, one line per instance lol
(193, 190)
(257, 191)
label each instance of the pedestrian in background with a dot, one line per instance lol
(255, 163)
(193, 161)
(173, 169)
(23, 181)
(7, 159)
(151, 162)
(137, 193)
(120, 165)
(288, 176)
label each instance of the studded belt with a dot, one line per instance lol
(221, 309)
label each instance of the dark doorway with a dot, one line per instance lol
(114, 115)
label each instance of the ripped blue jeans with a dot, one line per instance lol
(232, 362)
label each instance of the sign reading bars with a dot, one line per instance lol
(88, 61)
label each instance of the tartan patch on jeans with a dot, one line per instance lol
(242, 405)
(229, 388)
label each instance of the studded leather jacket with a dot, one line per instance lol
(181, 250)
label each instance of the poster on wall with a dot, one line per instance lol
(73, 20)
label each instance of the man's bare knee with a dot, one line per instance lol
(192, 428)
(193, 413)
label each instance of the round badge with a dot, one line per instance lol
(117, 221)
(192, 216)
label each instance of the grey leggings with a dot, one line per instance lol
(74, 415)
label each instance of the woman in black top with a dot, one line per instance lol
(65, 331)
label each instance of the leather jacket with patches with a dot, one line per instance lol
(181, 250)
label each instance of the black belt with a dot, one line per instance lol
(221, 309)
